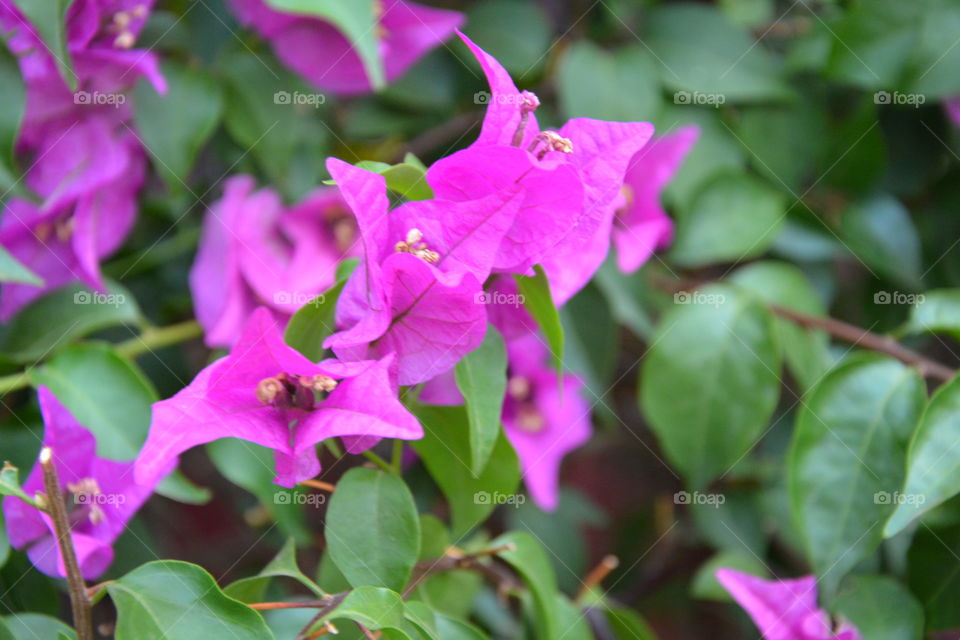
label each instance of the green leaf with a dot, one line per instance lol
(933, 460)
(11, 115)
(105, 393)
(933, 71)
(807, 351)
(572, 620)
(407, 179)
(10, 483)
(63, 315)
(880, 608)
(12, 270)
(937, 311)
(179, 601)
(357, 20)
(372, 529)
(733, 218)
(608, 86)
(881, 233)
(482, 379)
(175, 126)
(699, 50)
(538, 300)
(445, 450)
(705, 584)
(49, 19)
(180, 488)
(373, 607)
(847, 459)
(283, 565)
(778, 141)
(4, 542)
(934, 575)
(530, 560)
(592, 336)
(721, 344)
(31, 626)
(313, 323)
(627, 624)
(514, 32)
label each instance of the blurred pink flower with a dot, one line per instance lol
(319, 52)
(268, 393)
(102, 498)
(255, 252)
(784, 609)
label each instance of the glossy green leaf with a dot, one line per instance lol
(846, 461)
(283, 565)
(313, 323)
(106, 393)
(933, 460)
(357, 20)
(482, 379)
(445, 450)
(373, 607)
(176, 125)
(538, 300)
(53, 321)
(806, 350)
(880, 608)
(372, 529)
(699, 50)
(179, 601)
(608, 86)
(711, 380)
(733, 218)
(937, 311)
(627, 624)
(530, 560)
(31, 626)
(881, 233)
(934, 575)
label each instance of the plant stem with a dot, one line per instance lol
(57, 508)
(380, 462)
(150, 339)
(397, 460)
(875, 342)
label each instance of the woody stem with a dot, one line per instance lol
(57, 508)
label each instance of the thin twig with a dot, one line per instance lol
(57, 508)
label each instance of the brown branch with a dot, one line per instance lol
(57, 508)
(842, 331)
(875, 342)
(496, 574)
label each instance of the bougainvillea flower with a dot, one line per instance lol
(571, 177)
(90, 174)
(641, 225)
(319, 52)
(417, 290)
(544, 421)
(255, 252)
(953, 110)
(784, 609)
(83, 161)
(268, 393)
(102, 497)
